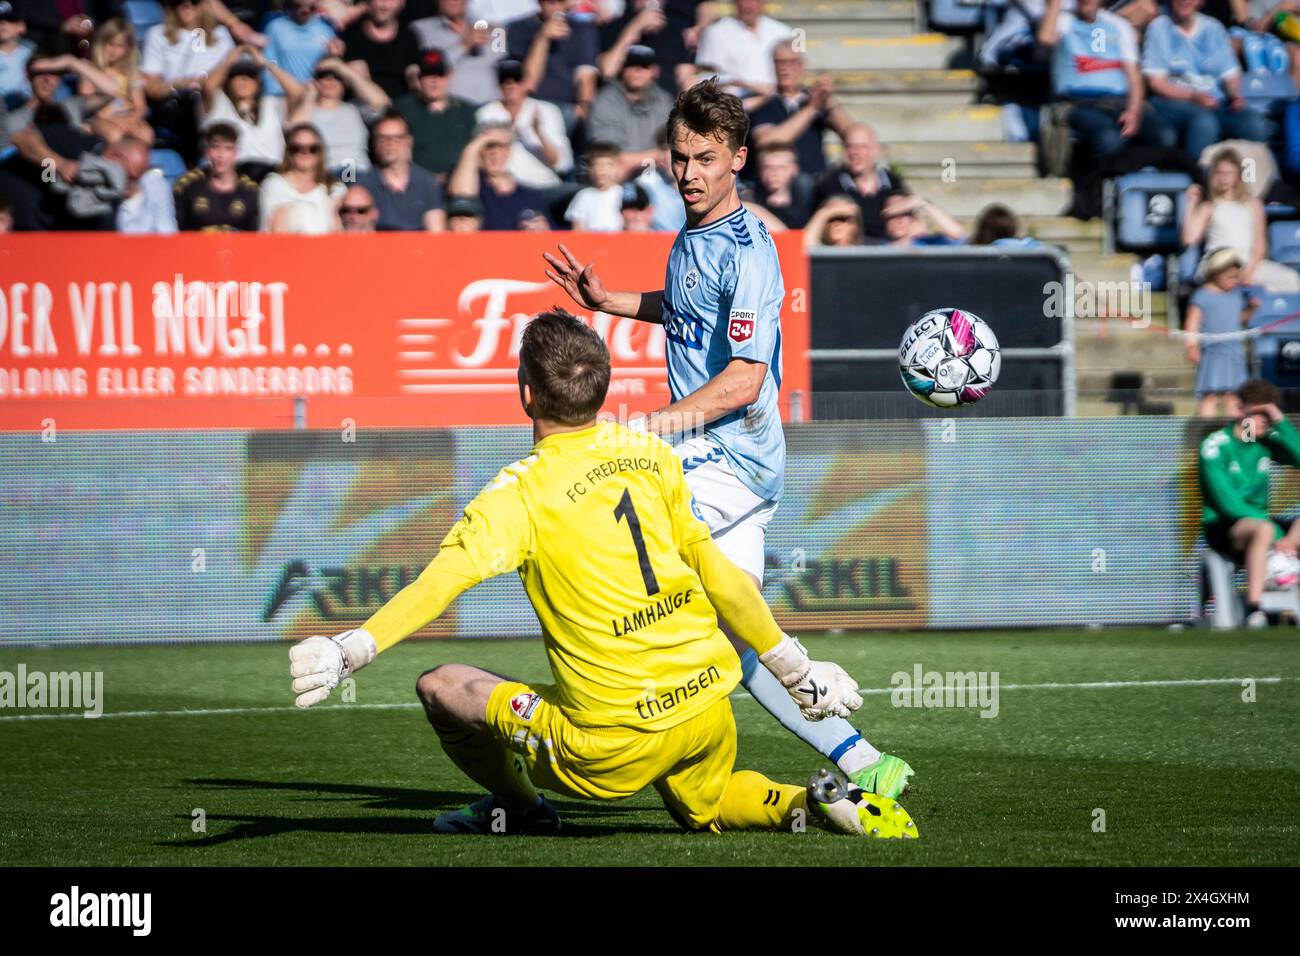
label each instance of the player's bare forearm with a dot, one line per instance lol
(735, 596)
(736, 386)
(642, 306)
(424, 599)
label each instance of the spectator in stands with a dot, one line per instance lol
(1231, 218)
(464, 214)
(342, 125)
(358, 211)
(1234, 479)
(638, 212)
(1095, 70)
(559, 58)
(217, 199)
(541, 152)
(740, 48)
(301, 197)
(798, 114)
(838, 222)
(671, 28)
(501, 12)
(1195, 81)
(65, 26)
(481, 172)
(6, 216)
(382, 49)
(782, 188)
(630, 110)
(863, 177)
(408, 196)
(913, 221)
(661, 186)
(473, 59)
(996, 225)
(14, 54)
(45, 76)
(233, 93)
(147, 207)
(1219, 306)
(441, 123)
(35, 205)
(296, 42)
(88, 188)
(115, 52)
(178, 54)
(598, 207)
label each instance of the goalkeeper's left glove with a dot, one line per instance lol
(318, 664)
(820, 688)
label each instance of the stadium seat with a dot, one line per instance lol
(169, 162)
(1219, 582)
(143, 14)
(1265, 91)
(1143, 210)
(955, 16)
(1284, 242)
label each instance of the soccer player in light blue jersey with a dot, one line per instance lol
(721, 312)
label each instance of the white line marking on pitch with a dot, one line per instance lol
(736, 695)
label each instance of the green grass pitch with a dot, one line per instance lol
(1186, 773)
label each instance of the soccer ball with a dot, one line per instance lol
(1283, 571)
(949, 357)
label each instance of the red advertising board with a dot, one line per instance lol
(402, 330)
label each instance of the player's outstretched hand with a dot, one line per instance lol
(579, 280)
(821, 688)
(318, 664)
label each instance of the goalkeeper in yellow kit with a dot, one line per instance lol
(627, 584)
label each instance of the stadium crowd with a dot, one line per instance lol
(316, 116)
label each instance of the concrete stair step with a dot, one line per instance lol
(1025, 196)
(1089, 407)
(786, 10)
(978, 160)
(1096, 381)
(1092, 266)
(919, 51)
(901, 81)
(900, 121)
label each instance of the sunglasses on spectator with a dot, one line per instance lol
(304, 148)
(355, 210)
(841, 218)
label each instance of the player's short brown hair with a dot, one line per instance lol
(706, 108)
(1256, 391)
(567, 365)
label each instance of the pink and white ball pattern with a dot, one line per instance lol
(949, 357)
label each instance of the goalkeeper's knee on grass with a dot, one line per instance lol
(753, 802)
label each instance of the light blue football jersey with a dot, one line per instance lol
(722, 301)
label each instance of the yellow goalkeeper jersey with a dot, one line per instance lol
(596, 521)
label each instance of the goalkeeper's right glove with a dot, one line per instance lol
(821, 688)
(318, 664)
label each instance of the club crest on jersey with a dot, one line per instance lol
(692, 279)
(740, 325)
(524, 704)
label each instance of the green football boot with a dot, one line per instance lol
(839, 805)
(487, 816)
(889, 777)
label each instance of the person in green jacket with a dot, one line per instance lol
(1234, 468)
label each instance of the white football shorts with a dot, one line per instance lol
(737, 517)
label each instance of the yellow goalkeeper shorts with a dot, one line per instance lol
(689, 764)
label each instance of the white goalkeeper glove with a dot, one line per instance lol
(821, 688)
(318, 664)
